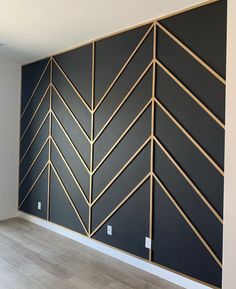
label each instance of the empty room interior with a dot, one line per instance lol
(117, 144)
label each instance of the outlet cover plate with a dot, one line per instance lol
(109, 230)
(148, 243)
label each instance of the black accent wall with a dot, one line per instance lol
(128, 131)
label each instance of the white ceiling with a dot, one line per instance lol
(34, 29)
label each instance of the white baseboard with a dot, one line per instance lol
(122, 256)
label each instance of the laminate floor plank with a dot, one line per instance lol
(32, 257)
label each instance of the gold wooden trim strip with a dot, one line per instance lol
(124, 100)
(121, 203)
(23, 112)
(70, 199)
(186, 177)
(124, 67)
(191, 53)
(70, 170)
(35, 112)
(188, 221)
(152, 142)
(180, 127)
(33, 139)
(121, 170)
(33, 185)
(71, 142)
(72, 85)
(33, 162)
(92, 138)
(71, 113)
(50, 143)
(122, 136)
(215, 118)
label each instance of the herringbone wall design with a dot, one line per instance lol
(129, 131)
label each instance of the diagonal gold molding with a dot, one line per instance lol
(33, 93)
(72, 85)
(207, 110)
(71, 142)
(33, 139)
(121, 170)
(69, 198)
(33, 185)
(124, 67)
(121, 203)
(190, 182)
(196, 232)
(191, 53)
(33, 162)
(34, 114)
(122, 136)
(71, 113)
(70, 170)
(194, 142)
(123, 100)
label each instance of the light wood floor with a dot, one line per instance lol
(34, 258)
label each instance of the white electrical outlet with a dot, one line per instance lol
(148, 243)
(39, 206)
(109, 230)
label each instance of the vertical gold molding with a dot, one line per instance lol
(92, 137)
(152, 140)
(50, 143)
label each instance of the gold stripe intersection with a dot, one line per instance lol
(124, 67)
(211, 114)
(190, 182)
(191, 53)
(69, 198)
(194, 142)
(72, 85)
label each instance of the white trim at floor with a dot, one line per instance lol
(122, 256)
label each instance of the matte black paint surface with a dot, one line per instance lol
(203, 30)
(125, 82)
(61, 211)
(71, 128)
(191, 116)
(122, 186)
(70, 185)
(77, 64)
(70, 155)
(123, 152)
(71, 99)
(32, 105)
(130, 224)
(202, 173)
(39, 193)
(196, 210)
(30, 77)
(111, 55)
(197, 79)
(124, 117)
(175, 245)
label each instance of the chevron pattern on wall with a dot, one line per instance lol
(128, 131)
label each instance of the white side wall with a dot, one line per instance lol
(229, 248)
(10, 74)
